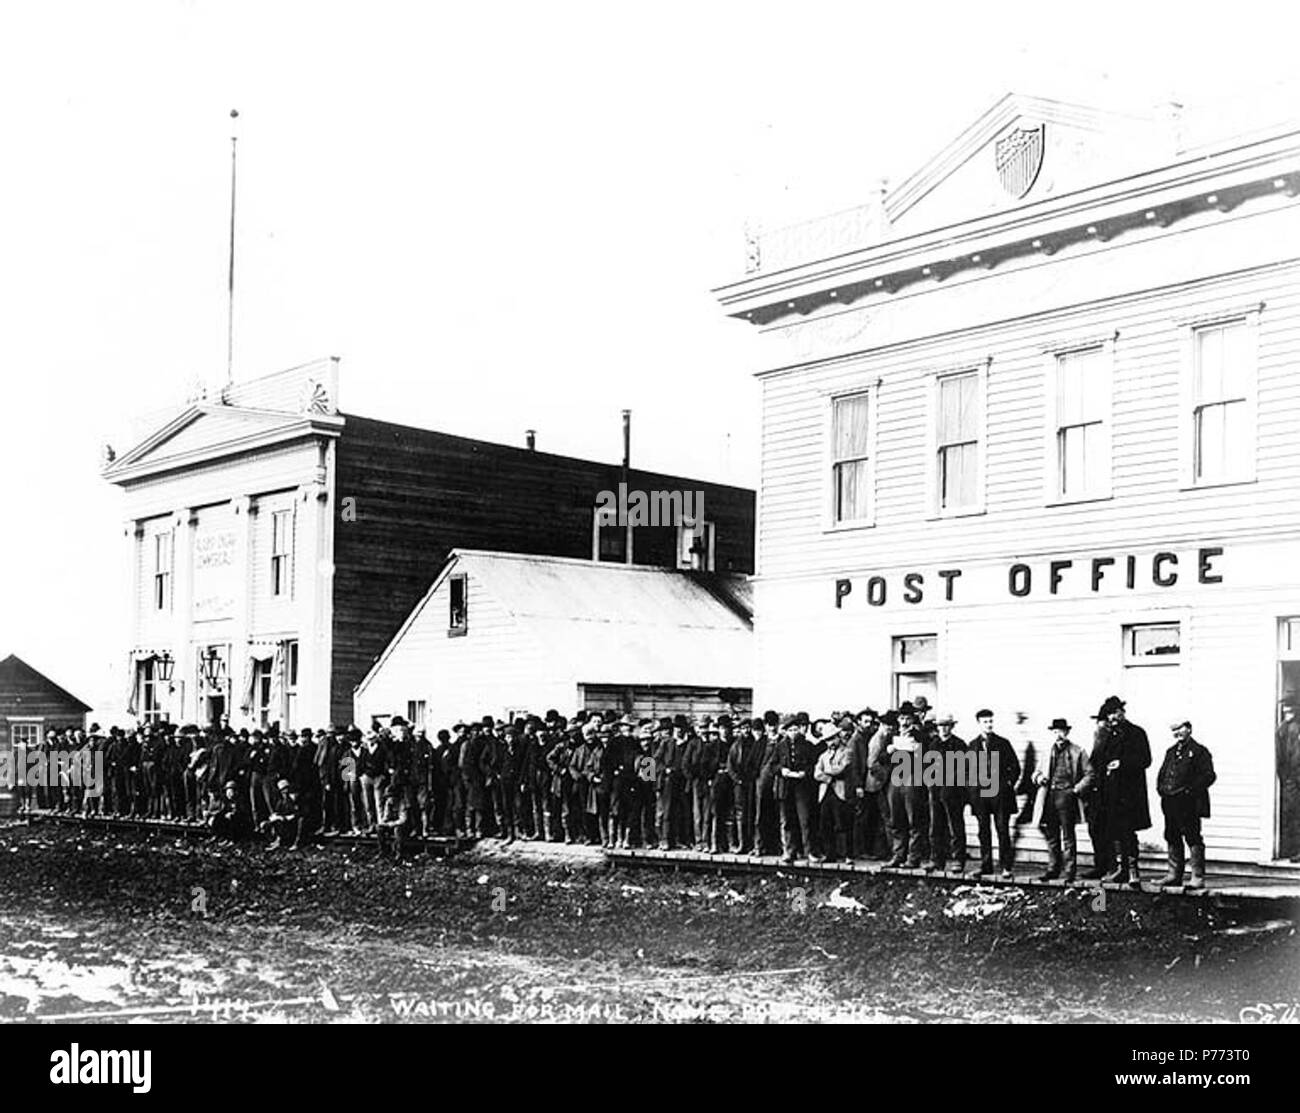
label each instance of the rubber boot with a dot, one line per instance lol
(1197, 880)
(1135, 877)
(1177, 861)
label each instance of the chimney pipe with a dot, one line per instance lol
(530, 439)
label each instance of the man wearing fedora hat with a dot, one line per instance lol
(1066, 779)
(835, 793)
(1121, 758)
(947, 804)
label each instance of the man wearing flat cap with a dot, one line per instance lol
(1121, 759)
(1184, 786)
(1066, 779)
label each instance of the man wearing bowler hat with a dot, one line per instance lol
(1066, 778)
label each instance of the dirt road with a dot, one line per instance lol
(134, 924)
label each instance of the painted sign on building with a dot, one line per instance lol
(214, 573)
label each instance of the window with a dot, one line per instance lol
(851, 500)
(281, 552)
(25, 734)
(1289, 638)
(958, 482)
(915, 667)
(1152, 643)
(1079, 408)
(1222, 384)
(415, 713)
(290, 684)
(457, 605)
(263, 681)
(610, 543)
(695, 546)
(154, 691)
(162, 571)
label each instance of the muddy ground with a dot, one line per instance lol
(132, 924)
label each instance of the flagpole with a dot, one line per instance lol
(230, 289)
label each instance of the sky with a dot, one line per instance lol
(499, 216)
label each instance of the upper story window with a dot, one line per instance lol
(1223, 402)
(457, 604)
(851, 493)
(281, 552)
(609, 538)
(1079, 412)
(162, 570)
(959, 426)
(695, 545)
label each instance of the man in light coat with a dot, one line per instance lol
(1065, 779)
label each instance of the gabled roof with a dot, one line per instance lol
(613, 623)
(17, 676)
(206, 431)
(976, 137)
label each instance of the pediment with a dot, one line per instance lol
(1024, 149)
(206, 431)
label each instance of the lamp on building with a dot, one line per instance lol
(212, 667)
(163, 667)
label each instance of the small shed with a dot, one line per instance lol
(500, 633)
(30, 704)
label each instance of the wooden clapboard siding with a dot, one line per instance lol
(271, 613)
(417, 494)
(1147, 506)
(27, 694)
(492, 669)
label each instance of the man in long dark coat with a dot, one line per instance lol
(1121, 759)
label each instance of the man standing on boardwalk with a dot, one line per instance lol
(1184, 786)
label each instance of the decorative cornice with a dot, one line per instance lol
(1156, 198)
(138, 464)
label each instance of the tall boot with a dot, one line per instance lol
(1135, 877)
(1176, 863)
(1197, 880)
(1120, 874)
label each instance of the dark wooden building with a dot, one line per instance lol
(276, 545)
(30, 704)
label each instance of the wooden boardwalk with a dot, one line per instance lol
(1225, 882)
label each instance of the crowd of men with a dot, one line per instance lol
(832, 788)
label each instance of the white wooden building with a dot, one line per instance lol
(1030, 438)
(273, 544)
(504, 633)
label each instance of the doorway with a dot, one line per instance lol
(1286, 750)
(1156, 697)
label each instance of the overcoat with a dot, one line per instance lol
(1123, 790)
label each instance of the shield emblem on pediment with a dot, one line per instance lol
(1019, 157)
